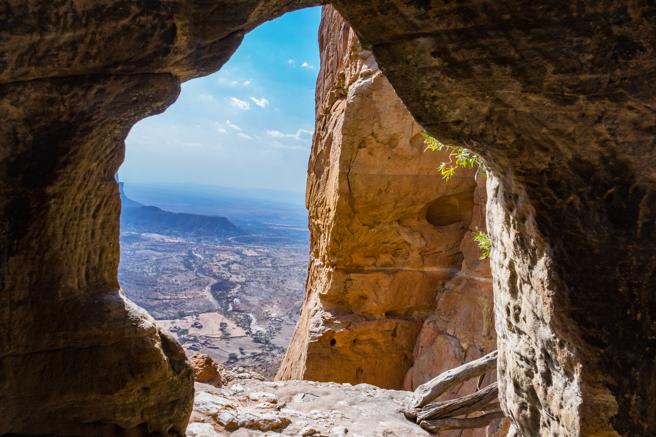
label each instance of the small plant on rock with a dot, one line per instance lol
(459, 157)
(484, 244)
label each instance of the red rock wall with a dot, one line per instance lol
(396, 292)
(461, 326)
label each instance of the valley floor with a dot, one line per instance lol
(237, 302)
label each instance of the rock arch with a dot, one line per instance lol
(557, 97)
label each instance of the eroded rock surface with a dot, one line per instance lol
(299, 408)
(461, 326)
(77, 358)
(388, 236)
(558, 97)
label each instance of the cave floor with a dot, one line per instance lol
(249, 407)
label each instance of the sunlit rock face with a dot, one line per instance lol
(389, 238)
(461, 326)
(559, 98)
(248, 407)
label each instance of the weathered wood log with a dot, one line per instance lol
(430, 390)
(495, 405)
(461, 423)
(459, 406)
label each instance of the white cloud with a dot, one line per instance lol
(220, 127)
(231, 82)
(298, 135)
(276, 134)
(245, 136)
(228, 81)
(262, 103)
(304, 64)
(233, 126)
(240, 104)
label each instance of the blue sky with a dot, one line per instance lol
(249, 125)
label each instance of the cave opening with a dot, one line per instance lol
(399, 262)
(214, 238)
(225, 271)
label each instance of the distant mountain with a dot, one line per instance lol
(265, 217)
(137, 217)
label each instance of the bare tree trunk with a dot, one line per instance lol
(460, 406)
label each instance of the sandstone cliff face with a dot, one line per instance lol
(396, 293)
(71, 342)
(461, 326)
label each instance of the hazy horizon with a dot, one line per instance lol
(279, 196)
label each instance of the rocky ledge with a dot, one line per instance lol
(250, 407)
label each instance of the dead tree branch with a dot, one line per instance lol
(441, 416)
(427, 392)
(459, 406)
(461, 423)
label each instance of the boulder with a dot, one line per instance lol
(206, 370)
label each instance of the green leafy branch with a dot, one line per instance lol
(459, 157)
(484, 244)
